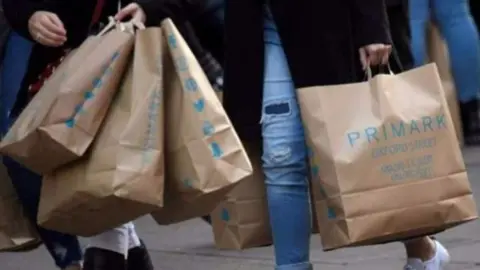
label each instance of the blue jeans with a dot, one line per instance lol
(15, 63)
(457, 27)
(284, 160)
(65, 249)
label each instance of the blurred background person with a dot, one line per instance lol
(456, 25)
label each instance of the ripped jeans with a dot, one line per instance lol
(284, 160)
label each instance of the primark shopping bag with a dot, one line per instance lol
(122, 176)
(204, 157)
(64, 117)
(385, 159)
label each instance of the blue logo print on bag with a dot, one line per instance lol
(331, 213)
(217, 152)
(172, 41)
(225, 215)
(188, 182)
(315, 170)
(88, 95)
(70, 123)
(96, 84)
(191, 85)
(199, 105)
(208, 128)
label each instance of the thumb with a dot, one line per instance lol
(126, 11)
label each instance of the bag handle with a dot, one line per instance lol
(369, 73)
(128, 27)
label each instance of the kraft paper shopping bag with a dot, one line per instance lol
(122, 176)
(204, 157)
(376, 148)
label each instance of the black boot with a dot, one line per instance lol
(469, 112)
(207, 219)
(102, 259)
(139, 258)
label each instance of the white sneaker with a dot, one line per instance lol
(438, 262)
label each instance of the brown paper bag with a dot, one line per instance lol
(379, 146)
(204, 156)
(16, 231)
(122, 177)
(438, 54)
(63, 118)
(241, 221)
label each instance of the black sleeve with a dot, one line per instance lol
(18, 12)
(178, 10)
(369, 20)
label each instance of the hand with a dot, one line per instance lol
(47, 29)
(134, 11)
(374, 54)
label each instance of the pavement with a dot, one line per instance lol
(189, 246)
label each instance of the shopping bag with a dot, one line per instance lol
(204, 156)
(438, 54)
(241, 220)
(376, 147)
(122, 177)
(16, 230)
(63, 118)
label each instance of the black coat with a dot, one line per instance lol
(321, 39)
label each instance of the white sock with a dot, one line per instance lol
(133, 239)
(117, 240)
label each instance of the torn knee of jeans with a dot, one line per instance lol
(273, 110)
(279, 155)
(279, 108)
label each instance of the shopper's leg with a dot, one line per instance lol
(138, 255)
(284, 162)
(419, 19)
(457, 27)
(108, 250)
(65, 249)
(119, 249)
(425, 253)
(15, 63)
